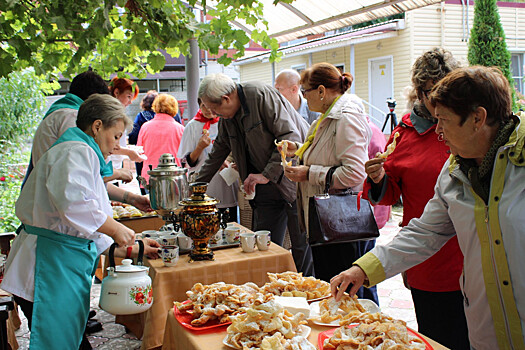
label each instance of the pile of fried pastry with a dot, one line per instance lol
(343, 310)
(373, 331)
(123, 210)
(293, 284)
(267, 326)
(218, 301)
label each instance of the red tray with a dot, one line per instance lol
(327, 334)
(185, 319)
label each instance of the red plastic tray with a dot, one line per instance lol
(327, 334)
(185, 319)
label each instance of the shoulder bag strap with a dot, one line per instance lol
(328, 179)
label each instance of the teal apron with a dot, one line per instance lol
(64, 266)
(63, 271)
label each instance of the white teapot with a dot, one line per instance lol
(127, 288)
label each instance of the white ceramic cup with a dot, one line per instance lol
(232, 234)
(184, 241)
(248, 242)
(246, 195)
(263, 239)
(150, 234)
(167, 240)
(169, 254)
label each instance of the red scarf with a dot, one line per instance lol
(207, 122)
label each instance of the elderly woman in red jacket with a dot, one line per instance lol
(411, 172)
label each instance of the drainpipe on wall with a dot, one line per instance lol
(309, 59)
(442, 24)
(352, 66)
(468, 24)
(273, 73)
(463, 19)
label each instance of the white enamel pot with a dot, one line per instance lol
(127, 288)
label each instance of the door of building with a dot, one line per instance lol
(381, 88)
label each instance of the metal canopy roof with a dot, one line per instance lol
(288, 22)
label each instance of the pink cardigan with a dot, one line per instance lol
(160, 135)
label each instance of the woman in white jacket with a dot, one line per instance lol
(480, 195)
(67, 222)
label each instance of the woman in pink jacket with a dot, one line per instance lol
(162, 134)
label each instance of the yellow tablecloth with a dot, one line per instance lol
(171, 283)
(177, 337)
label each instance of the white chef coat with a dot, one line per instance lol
(50, 129)
(217, 187)
(64, 193)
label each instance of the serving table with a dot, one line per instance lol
(171, 283)
(176, 337)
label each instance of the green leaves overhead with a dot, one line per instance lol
(120, 35)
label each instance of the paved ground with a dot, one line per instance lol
(394, 300)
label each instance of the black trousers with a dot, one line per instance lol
(440, 316)
(271, 212)
(138, 168)
(27, 309)
(232, 213)
(332, 259)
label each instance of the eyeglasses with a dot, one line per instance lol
(426, 92)
(304, 91)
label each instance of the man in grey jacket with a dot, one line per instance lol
(287, 82)
(254, 115)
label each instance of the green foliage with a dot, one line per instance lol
(487, 45)
(22, 105)
(379, 20)
(119, 35)
(12, 165)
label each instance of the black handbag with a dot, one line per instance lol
(340, 217)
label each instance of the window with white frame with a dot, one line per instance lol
(299, 67)
(517, 71)
(341, 67)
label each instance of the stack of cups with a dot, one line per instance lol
(168, 251)
(259, 238)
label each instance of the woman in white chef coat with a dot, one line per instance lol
(66, 224)
(196, 143)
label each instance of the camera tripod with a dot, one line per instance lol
(391, 115)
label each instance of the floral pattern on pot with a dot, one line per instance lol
(141, 295)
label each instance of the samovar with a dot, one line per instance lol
(168, 185)
(200, 220)
(197, 215)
